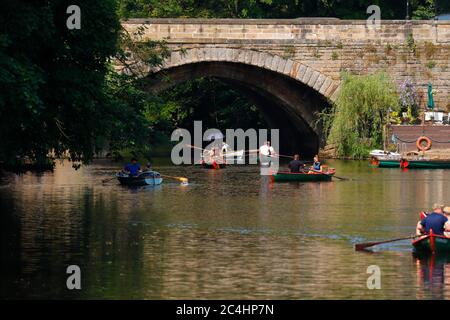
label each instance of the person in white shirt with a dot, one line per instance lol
(266, 152)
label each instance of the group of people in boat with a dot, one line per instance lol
(299, 166)
(218, 151)
(438, 221)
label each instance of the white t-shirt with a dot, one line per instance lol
(265, 150)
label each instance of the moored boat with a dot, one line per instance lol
(388, 163)
(213, 165)
(385, 155)
(432, 244)
(144, 179)
(415, 164)
(303, 177)
(426, 164)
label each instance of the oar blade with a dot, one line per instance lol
(341, 178)
(364, 246)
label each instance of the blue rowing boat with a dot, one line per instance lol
(147, 178)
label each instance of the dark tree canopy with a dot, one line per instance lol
(344, 9)
(52, 78)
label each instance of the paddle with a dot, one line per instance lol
(330, 175)
(183, 180)
(362, 246)
(107, 180)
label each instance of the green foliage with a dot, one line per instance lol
(430, 64)
(410, 42)
(210, 100)
(424, 9)
(350, 9)
(334, 55)
(355, 122)
(59, 93)
(52, 78)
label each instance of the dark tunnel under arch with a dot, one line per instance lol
(285, 103)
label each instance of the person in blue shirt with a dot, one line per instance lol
(435, 221)
(133, 169)
(317, 166)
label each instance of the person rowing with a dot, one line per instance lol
(296, 165)
(133, 169)
(148, 167)
(446, 211)
(436, 221)
(266, 152)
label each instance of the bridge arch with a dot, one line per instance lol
(289, 94)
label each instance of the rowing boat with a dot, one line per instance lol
(426, 164)
(148, 178)
(432, 243)
(303, 177)
(387, 163)
(213, 165)
(415, 164)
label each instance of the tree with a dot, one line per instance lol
(52, 78)
(354, 124)
(351, 9)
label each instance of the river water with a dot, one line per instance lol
(229, 234)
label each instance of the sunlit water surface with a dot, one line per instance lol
(229, 234)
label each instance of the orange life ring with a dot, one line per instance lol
(420, 146)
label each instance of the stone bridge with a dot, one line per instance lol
(291, 69)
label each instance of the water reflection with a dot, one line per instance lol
(229, 234)
(433, 276)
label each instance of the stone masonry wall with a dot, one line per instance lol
(419, 50)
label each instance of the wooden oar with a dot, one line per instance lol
(330, 175)
(284, 156)
(194, 147)
(107, 180)
(181, 179)
(362, 246)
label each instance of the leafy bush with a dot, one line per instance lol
(355, 122)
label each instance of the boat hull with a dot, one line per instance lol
(144, 179)
(214, 166)
(389, 163)
(415, 164)
(300, 177)
(432, 244)
(428, 165)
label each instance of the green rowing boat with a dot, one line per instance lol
(432, 243)
(302, 177)
(388, 164)
(415, 164)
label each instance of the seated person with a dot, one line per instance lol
(447, 214)
(317, 166)
(266, 153)
(148, 167)
(133, 169)
(296, 165)
(435, 221)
